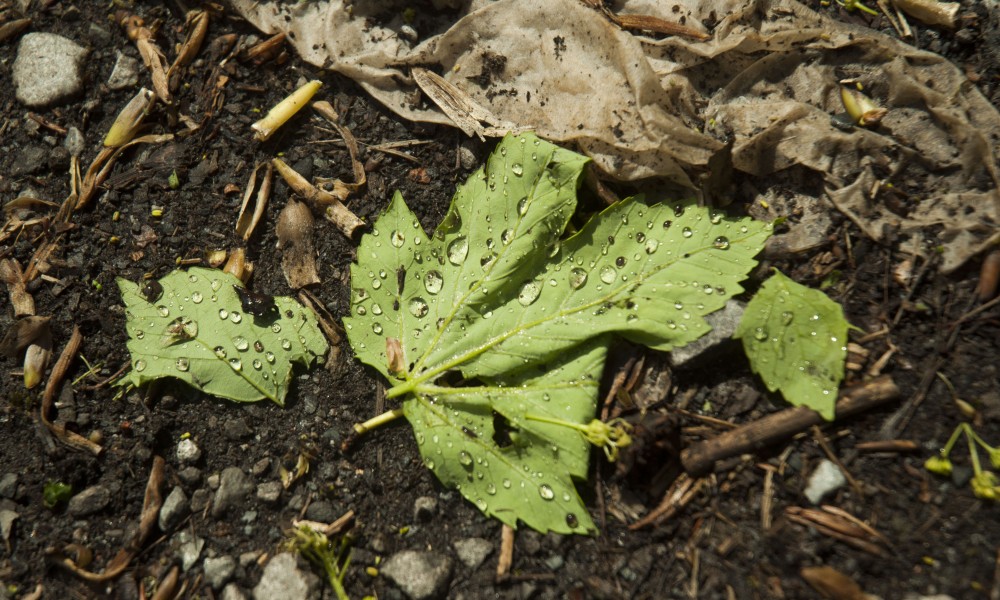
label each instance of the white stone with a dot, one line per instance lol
(826, 478)
(48, 69)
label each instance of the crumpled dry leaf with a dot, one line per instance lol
(295, 242)
(646, 107)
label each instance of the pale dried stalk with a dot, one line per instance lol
(70, 438)
(931, 12)
(458, 106)
(197, 23)
(247, 222)
(127, 123)
(20, 299)
(360, 177)
(238, 265)
(284, 110)
(105, 161)
(333, 207)
(150, 53)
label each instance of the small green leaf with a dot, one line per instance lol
(498, 299)
(192, 327)
(796, 340)
(55, 492)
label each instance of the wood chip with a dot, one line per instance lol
(467, 115)
(295, 242)
(833, 584)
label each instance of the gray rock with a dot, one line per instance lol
(321, 511)
(424, 509)
(555, 562)
(473, 551)
(188, 452)
(420, 575)
(74, 141)
(47, 70)
(190, 476)
(232, 592)
(7, 518)
(218, 571)
(234, 487)
(236, 429)
(91, 500)
(28, 161)
(8, 485)
(269, 492)
(174, 509)
(125, 74)
(261, 466)
(200, 500)
(826, 478)
(284, 580)
(466, 156)
(189, 550)
(723, 323)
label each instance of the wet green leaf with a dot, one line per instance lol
(498, 299)
(796, 340)
(191, 326)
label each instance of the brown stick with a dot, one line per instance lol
(506, 553)
(700, 458)
(70, 438)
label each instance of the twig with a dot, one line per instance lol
(887, 446)
(677, 497)
(701, 457)
(506, 553)
(71, 439)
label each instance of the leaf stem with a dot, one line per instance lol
(380, 420)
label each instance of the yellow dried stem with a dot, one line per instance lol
(238, 265)
(930, 12)
(247, 222)
(197, 23)
(20, 299)
(860, 107)
(334, 210)
(284, 110)
(127, 123)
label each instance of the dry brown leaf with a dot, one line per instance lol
(833, 584)
(22, 333)
(295, 242)
(11, 274)
(246, 222)
(465, 112)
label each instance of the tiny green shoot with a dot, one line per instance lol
(55, 492)
(331, 557)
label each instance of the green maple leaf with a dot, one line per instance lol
(195, 330)
(498, 325)
(796, 340)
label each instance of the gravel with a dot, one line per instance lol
(47, 70)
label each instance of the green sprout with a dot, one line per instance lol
(610, 436)
(55, 492)
(852, 5)
(332, 557)
(985, 484)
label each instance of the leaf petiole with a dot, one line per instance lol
(378, 421)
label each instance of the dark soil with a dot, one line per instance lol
(943, 539)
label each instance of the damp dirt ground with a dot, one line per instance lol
(941, 539)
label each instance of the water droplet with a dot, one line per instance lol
(577, 277)
(140, 365)
(139, 334)
(505, 483)
(377, 329)
(708, 289)
(678, 210)
(721, 242)
(546, 492)
(529, 293)
(163, 310)
(760, 334)
(269, 356)
(491, 489)
(787, 317)
(286, 345)
(241, 343)
(487, 259)
(397, 239)
(361, 311)
(716, 218)
(465, 458)
(433, 281)
(517, 169)
(620, 263)
(376, 309)
(257, 364)
(430, 463)
(686, 232)
(235, 317)
(196, 297)
(220, 351)
(608, 274)
(418, 308)
(506, 236)
(651, 245)
(571, 520)
(458, 249)
(522, 206)
(376, 284)
(640, 237)
(667, 224)
(275, 328)
(481, 504)
(236, 364)
(182, 364)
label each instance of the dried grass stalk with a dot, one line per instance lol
(246, 222)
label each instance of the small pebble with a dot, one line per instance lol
(187, 451)
(825, 479)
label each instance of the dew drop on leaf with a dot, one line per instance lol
(546, 492)
(163, 310)
(140, 365)
(182, 364)
(716, 218)
(235, 317)
(678, 210)
(220, 351)
(760, 334)
(577, 277)
(377, 329)
(571, 520)
(216, 285)
(433, 281)
(276, 328)
(529, 293)
(506, 483)
(506, 236)
(620, 263)
(686, 232)
(236, 364)
(465, 458)
(376, 284)
(522, 206)
(418, 308)
(257, 364)
(139, 334)
(651, 246)
(286, 345)
(517, 169)
(196, 297)
(376, 309)
(269, 356)
(721, 242)
(397, 239)
(487, 259)
(787, 317)
(608, 274)
(458, 249)
(361, 311)
(640, 237)
(491, 489)
(241, 343)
